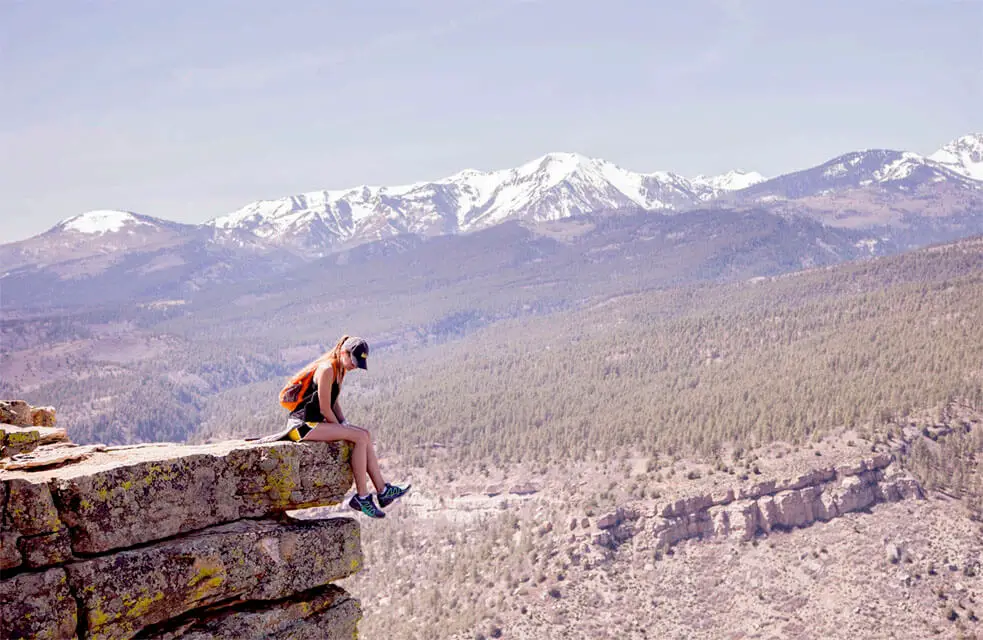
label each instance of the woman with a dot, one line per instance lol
(319, 418)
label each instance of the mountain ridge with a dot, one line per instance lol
(563, 184)
(888, 201)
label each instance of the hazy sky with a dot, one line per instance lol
(186, 110)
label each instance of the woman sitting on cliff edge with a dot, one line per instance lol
(318, 418)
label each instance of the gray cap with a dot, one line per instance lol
(359, 350)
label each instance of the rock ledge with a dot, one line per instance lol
(168, 540)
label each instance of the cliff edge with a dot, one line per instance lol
(169, 541)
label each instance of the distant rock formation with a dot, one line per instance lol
(770, 505)
(170, 541)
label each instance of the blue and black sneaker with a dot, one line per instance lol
(366, 506)
(392, 493)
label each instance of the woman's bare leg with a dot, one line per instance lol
(330, 432)
(372, 465)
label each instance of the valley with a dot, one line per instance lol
(577, 550)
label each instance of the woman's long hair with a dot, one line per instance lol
(332, 357)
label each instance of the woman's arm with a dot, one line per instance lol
(325, 378)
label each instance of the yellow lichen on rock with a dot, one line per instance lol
(280, 481)
(208, 577)
(139, 607)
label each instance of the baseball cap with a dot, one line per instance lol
(359, 349)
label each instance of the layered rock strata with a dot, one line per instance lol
(174, 541)
(770, 505)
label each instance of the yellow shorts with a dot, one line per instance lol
(297, 433)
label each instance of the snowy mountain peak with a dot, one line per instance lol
(734, 180)
(970, 143)
(963, 155)
(562, 157)
(556, 166)
(101, 221)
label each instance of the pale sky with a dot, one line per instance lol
(186, 110)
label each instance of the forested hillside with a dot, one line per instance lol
(681, 370)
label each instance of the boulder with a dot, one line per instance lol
(15, 412)
(609, 521)
(15, 440)
(893, 553)
(43, 416)
(523, 489)
(493, 490)
(854, 493)
(880, 461)
(606, 540)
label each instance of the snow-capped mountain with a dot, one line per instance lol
(107, 221)
(711, 187)
(99, 241)
(106, 233)
(914, 196)
(963, 155)
(893, 171)
(112, 230)
(551, 187)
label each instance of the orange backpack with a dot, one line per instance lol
(293, 393)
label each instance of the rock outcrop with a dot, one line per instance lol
(765, 506)
(172, 541)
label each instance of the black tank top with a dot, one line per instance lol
(309, 409)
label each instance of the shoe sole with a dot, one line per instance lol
(382, 514)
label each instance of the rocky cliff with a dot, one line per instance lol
(768, 505)
(169, 541)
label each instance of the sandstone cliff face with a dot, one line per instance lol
(171, 541)
(769, 505)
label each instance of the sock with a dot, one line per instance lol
(365, 497)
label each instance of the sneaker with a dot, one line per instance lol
(392, 493)
(366, 506)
